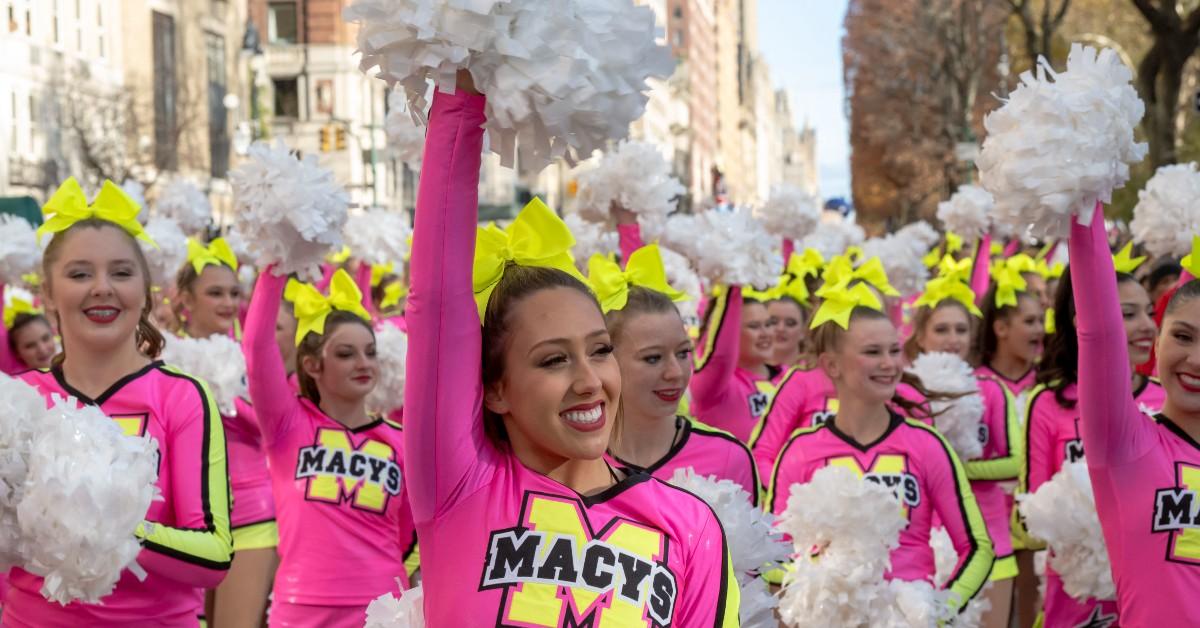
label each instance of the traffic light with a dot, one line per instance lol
(326, 139)
(341, 138)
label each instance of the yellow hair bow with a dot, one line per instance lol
(313, 308)
(855, 253)
(805, 264)
(839, 301)
(32, 279)
(948, 287)
(1050, 326)
(794, 287)
(1050, 272)
(16, 307)
(379, 271)
(392, 293)
(762, 296)
(932, 258)
(644, 269)
(958, 270)
(1191, 262)
(1124, 262)
(996, 248)
(217, 253)
(954, 242)
(1008, 283)
(1022, 263)
(339, 256)
(871, 271)
(536, 237)
(68, 205)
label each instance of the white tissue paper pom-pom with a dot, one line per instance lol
(238, 244)
(186, 203)
(756, 608)
(968, 212)
(386, 611)
(901, 256)
(681, 277)
(391, 345)
(1062, 512)
(1057, 147)
(921, 234)
(958, 420)
(218, 360)
(378, 236)
(89, 486)
(291, 211)
(19, 250)
(21, 410)
(636, 176)
(729, 248)
(831, 239)
(171, 252)
(1167, 214)
(790, 212)
(561, 78)
(406, 138)
(590, 238)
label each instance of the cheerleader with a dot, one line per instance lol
(805, 398)
(97, 282)
(521, 519)
(655, 355)
(26, 339)
(208, 296)
(860, 352)
(790, 326)
(943, 322)
(344, 525)
(1141, 470)
(1011, 333)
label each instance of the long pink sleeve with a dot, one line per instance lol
(443, 435)
(980, 268)
(266, 378)
(362, 278)
(781, 419)
(1113, 430)
(721, 346)
(630, 239)
(789, 247)
(10, 364)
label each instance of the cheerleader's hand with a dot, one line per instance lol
(466, 82)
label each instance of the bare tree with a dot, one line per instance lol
(1039, 26)
(1176, 34)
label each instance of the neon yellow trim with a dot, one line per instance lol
(412, 562)
(1004, 569)
(1021, 539)
(719, 308)
(263, 535)
(756, 433)
(1006, 467)
(769, 505)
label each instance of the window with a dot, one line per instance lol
(103, 51)
(218, 117)
(281, 23)
(28, 23)
(13, 26)
(678, 12)
(14, 145)
(287, 97)
(165, 118)
(678, 39)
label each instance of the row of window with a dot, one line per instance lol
(54, 28)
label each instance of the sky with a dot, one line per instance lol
(802, 42)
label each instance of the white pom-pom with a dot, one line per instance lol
(636, 176)
(218, 360)
(790, 212)
(1167, 214)
(681, 277)
(958, 420)
(1057, 147)
(901, 256)
(921, 234)
(561, 78)
(21, 410)
(186, 203)
(88, 488)
(756, 608)
(19, 250)
(968, 212)
(238, 244)
(391, 346)
(1062, 512)
(729, 248)
(171, 253)
(831, 239)
(378, 236)
(386, 611)
(405, 136)
(591, 238)
(290, 210)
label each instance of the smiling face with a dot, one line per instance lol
(33, 343)
(758, 336)
(1138, 315)
(948, 330)
(97, 285)
(655, 356)
(1022, 331)
(866, 361)
(212, 301)
(1179, 359)
(789, 330)
(346, 367)
(558, 391)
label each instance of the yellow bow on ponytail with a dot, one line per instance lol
(839, 301)
(1008, 283)
(16, 307)
(644, 269)
(536, 237)
(313, 308)
(68, 205)
(1191, 261)
(379, 271)
(942, 288)
(217, 253)
(392, 293)
(1125, 262)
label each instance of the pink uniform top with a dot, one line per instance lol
(10, 363)
(804, 399)
(1146, 474)
(725, 395)
(708, 452)
(497, 539)
(345, 527)
(249, 478)
(1015, 386)
(188, 547)
(918, 464)
(1052, 432)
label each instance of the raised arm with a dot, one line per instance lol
(266, 378)
(979, 268)
(197, 548)
(443, 432)
(629, 232)
(362, 279)
(1113, 430)
(1002, 452)
(780, 420)
(720, 346)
